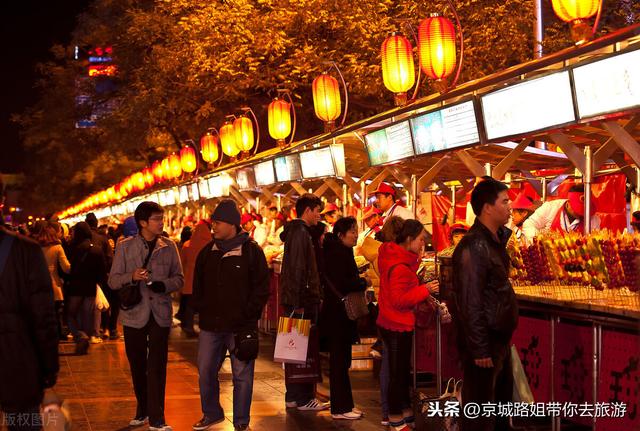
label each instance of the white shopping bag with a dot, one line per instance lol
(292, 341)
(101, 301)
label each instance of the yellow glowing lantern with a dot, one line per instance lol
(279, 115)
(398, 72)
(243, 128)
(188, 159)
(228, 139)
(577, 12)
(326, 98)
(175, 167)
(437, 46)
(209, 148)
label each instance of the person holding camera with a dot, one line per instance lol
(146, 270)
(230, 289)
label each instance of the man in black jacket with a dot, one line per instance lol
(300, 285)
(485, 310)
(28, 331)
(230, 289)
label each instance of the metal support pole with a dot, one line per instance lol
(539, 32)
(597, 340)
(438, 353)
(414, 195)
(279, 203)
(555, 421)
(544, 189)
(345, 195)
(453, 204)
(363, 203)
(588, 174)
(487, 169)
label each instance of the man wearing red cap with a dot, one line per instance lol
(521, 210)
(370, 217)
(331, 214)
(386, 198)
(561, 215)
(254, 228)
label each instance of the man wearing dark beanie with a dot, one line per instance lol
(230, 289)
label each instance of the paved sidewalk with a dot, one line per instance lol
(97, 389)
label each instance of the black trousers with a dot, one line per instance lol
(147, 351)
(110, 317)
(399, 345)
(339, 364)
(301, 393)
(186, 313)
(484, 385)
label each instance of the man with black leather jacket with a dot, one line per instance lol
(28, 331)
(300, 285)
(485, 310)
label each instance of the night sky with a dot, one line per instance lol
(29, 29)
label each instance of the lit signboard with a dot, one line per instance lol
(390, 144)
(288, 168)
(265, 174)
(194, 193)
(532, 105)
(608, 85)
(203, 186)
(218, 186)
(245, 178)
(450, 127)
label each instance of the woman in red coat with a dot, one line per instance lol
(400, 292)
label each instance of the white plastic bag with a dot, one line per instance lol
(101, 301)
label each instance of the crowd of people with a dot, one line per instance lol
(219, 268)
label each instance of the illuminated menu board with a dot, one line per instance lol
(184, 194)
(317, 163)
(246, 179)
(218, 186)
(608, 85)
(389, 144)
(194, 193)
(203, 186)
(265, 174)
(288, 168)
(444, 129)
(532, 105)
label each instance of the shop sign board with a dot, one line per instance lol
(444, 129)
(288, 168)
(218, 186)
(246, 179)
(317, 163)
(390, 144)
(183, 194)
(532, 105)
(265, 174)
(608, 85)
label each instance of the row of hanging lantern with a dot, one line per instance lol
(437, 55)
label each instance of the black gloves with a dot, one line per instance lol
(158, 287)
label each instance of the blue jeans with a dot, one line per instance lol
(81, 316)
(211, 346)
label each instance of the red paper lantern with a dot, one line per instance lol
(398, 71)
(228, 139)
(188, 160)
(138, 181)
(175, 167)
(149, 180)
(243, 128)
(209, 148)
(158, 171)
(437, 46)
(279, 116)
(326, 98)
(166, 168)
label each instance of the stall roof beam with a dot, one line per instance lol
(427, 179)
(378, 179)
(400, 176)
(619, 159)
(297, 187)
(501, 168)
(472, 164)
(535, 183)
(624, 140)
(610, 146)
(573, 153)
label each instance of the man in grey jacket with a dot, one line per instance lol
(151, 263)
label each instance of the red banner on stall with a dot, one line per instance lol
(533, 342)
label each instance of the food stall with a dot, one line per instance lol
(578, 336)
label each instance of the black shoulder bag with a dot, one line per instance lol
(130, 295)
(246, 342)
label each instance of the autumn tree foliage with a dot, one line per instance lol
(183, 65)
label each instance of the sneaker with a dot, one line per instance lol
(242, 428)
(95, 340)
(385, 421)
(357, 411)
(314, 405)
(163, 427)
(82, 346)
(291, 404)
(205, 423)
(351, 416)
(138, 420)
(114, 335)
